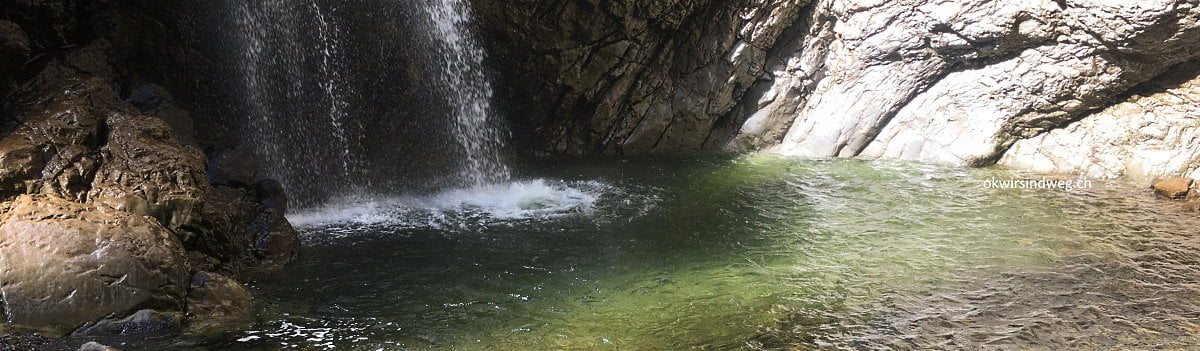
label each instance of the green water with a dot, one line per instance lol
(755, 252)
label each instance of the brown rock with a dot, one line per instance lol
(275, 241)
(146, 171)
(1175, 188)
(217, 304)
(223, 230)
(153, 100)
(65, 264)
(54, 149)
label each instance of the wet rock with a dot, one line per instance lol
(217, 304)
(95, 346)
(1175, 188)
(235, 167)
(88, 61)
(22, 342)
(271, 195)
(141, 323)
(223, 231)
(54, 150)
(14, 48)
(153, 100)
(275, 242)
(65, 264)
(637, 77)
(145, 171)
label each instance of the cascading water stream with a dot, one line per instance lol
(296, 94)
(306, 95)
(468, 92)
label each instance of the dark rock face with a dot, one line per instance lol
(154, 101)
(14, 48)
(636, 77)
(236, 167)
(66, 264)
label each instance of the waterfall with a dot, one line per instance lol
(295, 94)
(468, 92)
(341, 99)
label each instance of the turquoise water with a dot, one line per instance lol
(754, 252)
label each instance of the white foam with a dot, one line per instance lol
(522, 200)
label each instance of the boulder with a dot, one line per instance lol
(275, 241)
(271, 195)
(1175, 188)
(217, 304)
(66, 264)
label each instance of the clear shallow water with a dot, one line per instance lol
(747, 253)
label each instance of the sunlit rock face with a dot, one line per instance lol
(66, 264)
(1153, 132)
(955, 82)
(958, 82)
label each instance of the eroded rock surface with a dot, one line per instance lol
(64, 264)
(637, 77)
(956, 82)
(1154, 132)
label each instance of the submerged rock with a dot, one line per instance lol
(217, 304)
(141, 323)
(95, 346)
(66, 264)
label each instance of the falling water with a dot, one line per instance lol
(467, 91)
(296, 94)
(314, 93)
